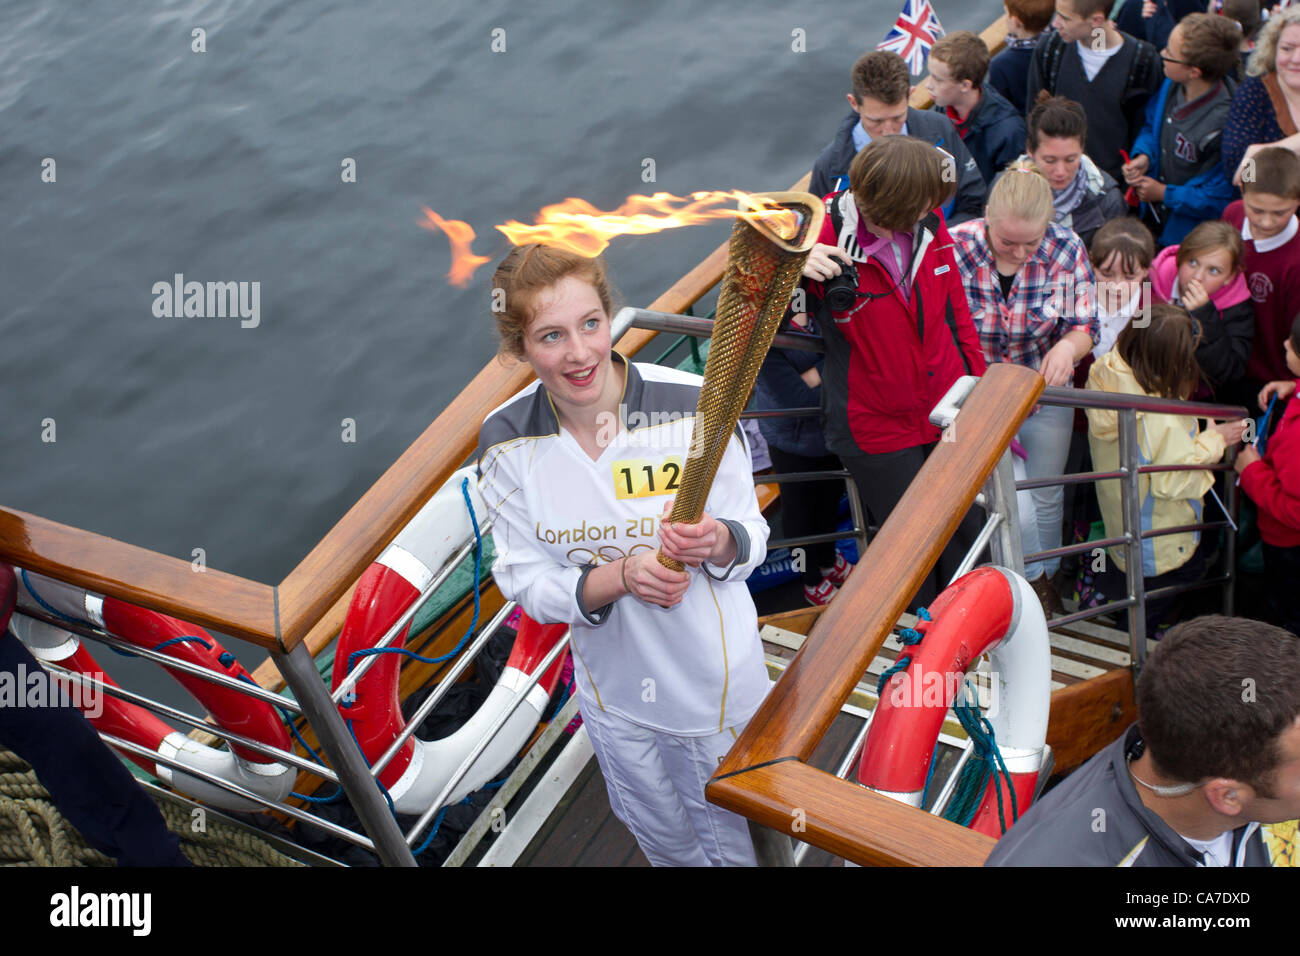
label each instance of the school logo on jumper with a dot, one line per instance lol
(1184, 148)
(208, 300)
(1260, 285)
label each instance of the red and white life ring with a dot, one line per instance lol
(990, 610)
(256, 719)
(421, 769)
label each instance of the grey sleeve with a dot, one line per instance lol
(740, 535)
(598, 615)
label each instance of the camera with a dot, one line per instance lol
(842, 290)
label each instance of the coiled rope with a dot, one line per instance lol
(34, 833)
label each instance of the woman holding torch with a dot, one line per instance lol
(578, 470)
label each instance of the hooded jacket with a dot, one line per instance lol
(1226, 322)
(1273, 482)
(893, 356)
(834, 160)
(1168, 498)
(993, 132)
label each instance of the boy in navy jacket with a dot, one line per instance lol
(988, 125)
(1176, 167)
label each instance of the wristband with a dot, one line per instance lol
(622, 573)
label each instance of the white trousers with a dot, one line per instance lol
(656, 787)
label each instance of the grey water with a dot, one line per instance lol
(134, 149)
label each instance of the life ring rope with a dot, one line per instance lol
(986, 761)
(473, 624)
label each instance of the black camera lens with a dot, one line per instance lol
(842, 290)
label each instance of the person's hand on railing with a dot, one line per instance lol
(1282, 389)
(822, 264)
(1058, 363)
(1231, 431)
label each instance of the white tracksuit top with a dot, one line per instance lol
(693, 669)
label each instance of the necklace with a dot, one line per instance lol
(1177, 790)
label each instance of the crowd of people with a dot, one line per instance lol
(1097, 182)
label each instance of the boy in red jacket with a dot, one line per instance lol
(1273, 483)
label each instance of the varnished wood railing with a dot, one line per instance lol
(765, 776)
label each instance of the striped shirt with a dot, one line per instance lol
(1053, 293)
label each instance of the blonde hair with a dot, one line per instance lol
(1263, 59)
(1021, 192)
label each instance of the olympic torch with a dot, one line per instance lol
(770, 241)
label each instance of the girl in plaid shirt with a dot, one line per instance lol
(1030, 288)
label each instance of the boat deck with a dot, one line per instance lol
(578, 828)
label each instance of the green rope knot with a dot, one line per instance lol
(983, 764)
(909, 637)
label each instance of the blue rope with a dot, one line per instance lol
(564, 699)
(27, 583)
(985, 763)
(910, 636)
(437, 820)
(473, 624)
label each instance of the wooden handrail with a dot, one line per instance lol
(211, 598)
(847, 636)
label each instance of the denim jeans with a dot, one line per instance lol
(1046, 438)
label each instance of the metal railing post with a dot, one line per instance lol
(299, 672)
(1131, 507)
(1230, 539)
(771, 848)
(1005, 549)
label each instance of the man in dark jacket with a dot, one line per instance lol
(881, 85)
(1210, 774)
(988, 125)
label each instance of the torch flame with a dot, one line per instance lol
(580, 227)
(461, 236)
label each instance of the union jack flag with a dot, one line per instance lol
(913, 33)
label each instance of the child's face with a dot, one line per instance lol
(1292, 360)
(1117, 285)
(1176, 68)
(1212, 269)
(943, 88)
(1071, 25)
(1267, 213)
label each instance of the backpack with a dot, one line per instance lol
(1144, 60)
